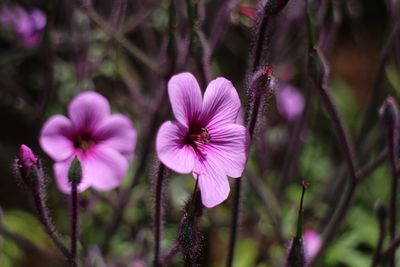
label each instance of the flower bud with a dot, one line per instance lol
(189, 239)
(75, 171)
(389, 112)
(26, 163)
(380, 211)
(296, 253)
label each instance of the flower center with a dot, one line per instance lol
(84, 141)
(201, 136)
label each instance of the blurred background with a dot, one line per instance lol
(52, 50)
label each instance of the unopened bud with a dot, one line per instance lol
(75, 171)
(389, 111)
(296, 253)
(26, 164)
(379, 210)
(189, 239)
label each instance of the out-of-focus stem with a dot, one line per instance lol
(260, 41)
(374, 99)
(157, 223)
(381, 216)
(294, 144)
(269, 202)
(319, 75)
(74, 224)
(117, 36)
(44, 216)
(392, 249)
(234, 222)
(390, 116)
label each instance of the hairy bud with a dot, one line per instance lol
(75, 171)
(389, 112)
(27, 164)
(296, 253)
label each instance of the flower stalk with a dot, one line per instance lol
(380, 213)
(390, 116)
(74, 176)
(29, 169)
(158, 200)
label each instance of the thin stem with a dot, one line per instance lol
(117, 36)
(74, 224)
(259, 43)
(392, 249)
(157, 224)
(294, 145)
(45, 218)
(340, 212)
(382, 232)
(269, 202)
(341, 130)
(234, 222)
(392, 137)
(299, 231)
(372, 166)
(375, 99)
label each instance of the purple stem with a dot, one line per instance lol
(393, 144)
(157, 224)
(74, 223)
(381, 216)
(44, 216)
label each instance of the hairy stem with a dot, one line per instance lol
(44, 216)
(157, 223)
(74, 224)
(234, 222)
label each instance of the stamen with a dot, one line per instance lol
(202, 136)
(84, 142)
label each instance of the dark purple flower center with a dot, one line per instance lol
(198, 135)
(84, 141)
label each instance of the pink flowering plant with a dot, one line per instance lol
(199, 133)
(205, 139)
(103, 142)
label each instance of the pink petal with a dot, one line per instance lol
(228, 148)
(117, 132)
(185, 96)
(312, 244)
(171, 149)
(290, 102)
(213, 183)
(55, 138)
(221, 103)
(87, 110)
(104, 167)
(39, 19)
(61, 172)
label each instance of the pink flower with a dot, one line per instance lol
(312, 244)
(204, 139)
(104, 143)
(27, 25)
(290, 102)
